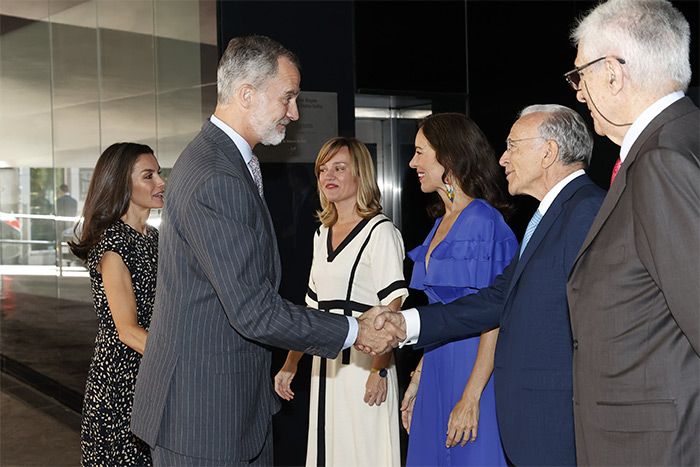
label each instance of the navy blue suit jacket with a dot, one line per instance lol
(532, 371)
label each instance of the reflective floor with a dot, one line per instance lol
(46, 340)
(35, 430)
(48, 325)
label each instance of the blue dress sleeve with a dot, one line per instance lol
(479, 246)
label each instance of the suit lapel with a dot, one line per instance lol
(542, 229)
(232, 153)
(678, 108)
(545, 225)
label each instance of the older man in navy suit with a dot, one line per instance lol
(547, 150)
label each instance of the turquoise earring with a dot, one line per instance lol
(450, 191)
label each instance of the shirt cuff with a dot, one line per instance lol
(352, 332)
(412, 318)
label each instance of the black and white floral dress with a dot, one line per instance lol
(109, 392)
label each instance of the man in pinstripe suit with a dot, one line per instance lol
(203, 393)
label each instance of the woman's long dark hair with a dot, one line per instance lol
(465, 153)
(108, 195)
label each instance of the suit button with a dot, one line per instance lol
(575, 344)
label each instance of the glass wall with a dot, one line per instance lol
(75, 77)
(388, 125)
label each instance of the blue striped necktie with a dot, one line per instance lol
(531, 226)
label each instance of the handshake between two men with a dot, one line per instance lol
(380, 330)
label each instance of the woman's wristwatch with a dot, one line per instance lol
(382, 372)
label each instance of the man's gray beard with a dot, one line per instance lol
(273, 137)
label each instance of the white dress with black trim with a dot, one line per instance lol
(365, 270)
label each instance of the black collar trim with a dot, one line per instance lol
(353, 233)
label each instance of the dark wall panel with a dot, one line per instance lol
(320, 33)
(411, 47)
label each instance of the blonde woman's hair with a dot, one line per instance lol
(367, 203)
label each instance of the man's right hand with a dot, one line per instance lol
(380, 330)
(392, 322)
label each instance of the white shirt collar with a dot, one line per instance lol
(242, 145)
(556, 189)
(644, 119)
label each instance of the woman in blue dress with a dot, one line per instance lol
(449, 407)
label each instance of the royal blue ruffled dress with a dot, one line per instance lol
(475, 250)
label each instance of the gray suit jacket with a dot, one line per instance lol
(204, 388)
(634, 298)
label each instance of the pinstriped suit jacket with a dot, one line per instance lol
(203, 388)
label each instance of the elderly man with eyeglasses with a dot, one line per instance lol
(634, 292)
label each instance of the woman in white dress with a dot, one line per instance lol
(358, 263)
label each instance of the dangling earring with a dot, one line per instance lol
(450, 190)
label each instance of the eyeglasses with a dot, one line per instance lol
(573, 77)
(510, 143)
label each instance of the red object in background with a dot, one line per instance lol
(7, 296)
(10, 220)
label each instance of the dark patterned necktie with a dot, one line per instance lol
(254, 165)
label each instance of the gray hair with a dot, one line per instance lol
(652, 36)
(249, 60)
(567, 129)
